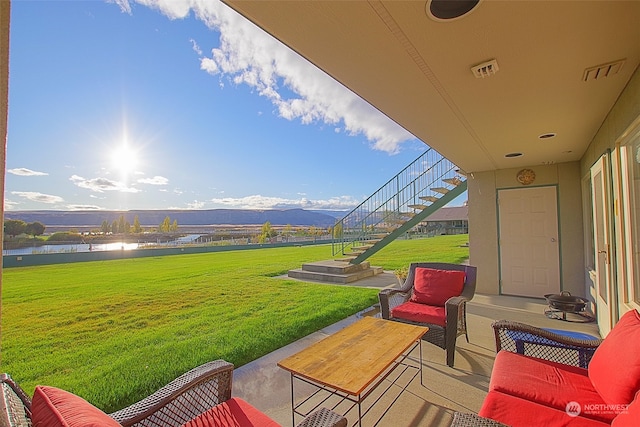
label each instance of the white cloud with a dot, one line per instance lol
(195, 205)
(10, 205)
(248, 55)
(208, 65)
(156, 180)
(263, 202)
(83, 208)
(195, 47)
(34, 196)
(26, 172)
(100, 185)
(124, 5)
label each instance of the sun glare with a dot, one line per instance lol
(124, 159)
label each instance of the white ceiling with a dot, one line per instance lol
(417, 70)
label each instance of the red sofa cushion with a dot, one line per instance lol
(53, 407)
(547, 383)
(435, 287)
(235, 412)
(629, 417)
(614, 369)
(516, 412)
(422, 313)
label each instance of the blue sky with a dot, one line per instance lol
(153, 105)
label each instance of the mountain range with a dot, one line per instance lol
(294, 217)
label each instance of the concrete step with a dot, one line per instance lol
(429, 198)
(361, 248)
(301, 274)
(334, 267)
(345, 259)
(453, 181)
(440, 190)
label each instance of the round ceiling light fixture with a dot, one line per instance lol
(449, 10)
(509, 155)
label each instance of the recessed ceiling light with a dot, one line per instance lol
(449, 10)
(547, 135)
(513, 155)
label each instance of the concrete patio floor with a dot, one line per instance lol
(446, 390)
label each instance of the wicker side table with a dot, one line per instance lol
(472, 420)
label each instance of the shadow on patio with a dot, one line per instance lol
(445, 389)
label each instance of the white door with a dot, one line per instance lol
(602, 243)
(529, 247)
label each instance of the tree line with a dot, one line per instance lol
(15, 227)
(122, 226)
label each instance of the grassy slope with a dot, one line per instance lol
(114, 331)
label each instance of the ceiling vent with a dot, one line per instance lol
(601, 71)
(486, 69)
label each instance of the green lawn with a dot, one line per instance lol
(114, 331)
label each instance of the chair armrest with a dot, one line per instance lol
(391, 298)
(323, 417)
(543, 344)
(455, 302)
(454, 308)
(182, 399)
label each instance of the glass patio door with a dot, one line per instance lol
(603, 263)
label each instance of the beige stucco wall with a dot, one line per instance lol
(620, 118)
(623, 116)
(483, 187)
(483, 222)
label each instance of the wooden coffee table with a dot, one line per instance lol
(354, 361)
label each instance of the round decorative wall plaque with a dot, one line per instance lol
(526, 176)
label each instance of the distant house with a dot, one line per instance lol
(454, 220)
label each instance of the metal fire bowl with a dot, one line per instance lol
(566, 302)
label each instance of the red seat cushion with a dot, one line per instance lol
(629, 417)
(435, 287)
(516, 412)
(235, 412)
(53, 407)
(615, 367)
(420, 313)
(547, 383)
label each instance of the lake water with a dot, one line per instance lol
(96, 247)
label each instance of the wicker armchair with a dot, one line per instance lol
(455, 307)
(544, 344)
(175, 404)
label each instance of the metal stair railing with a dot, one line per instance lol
(422, 187)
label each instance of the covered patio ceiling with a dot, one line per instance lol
(418, 70)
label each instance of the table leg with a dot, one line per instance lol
(293, 404)
(420, 344)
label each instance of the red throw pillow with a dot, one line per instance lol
(435, 287)
(614, 369)
(52, 407)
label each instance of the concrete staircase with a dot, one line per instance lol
(334, 271)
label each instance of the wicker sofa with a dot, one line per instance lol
(544, 378)
(198, 398)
